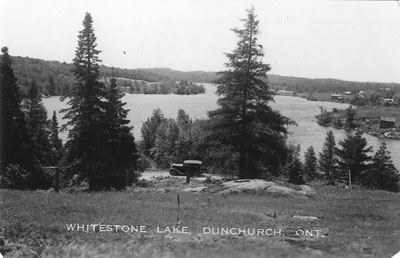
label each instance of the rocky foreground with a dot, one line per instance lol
(163, 182)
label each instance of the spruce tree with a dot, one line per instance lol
(52, 86)
(122, 152)
(23, 133)
(353, 158)
(86, 114)
(296, 172)
(244, 121)
(38, 126)
(350, 114)
(310, 164)
(382, 173)
(328, 159)
(14, 131)
(56, 143)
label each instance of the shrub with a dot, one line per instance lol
(296, 172)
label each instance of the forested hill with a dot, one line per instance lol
(55, 77)
(299, 84)
(193, 76)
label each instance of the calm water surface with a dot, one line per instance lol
(306, 133)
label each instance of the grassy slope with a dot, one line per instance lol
(360, 224)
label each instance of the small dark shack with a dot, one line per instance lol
(387, 122)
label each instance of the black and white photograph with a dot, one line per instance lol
(188, 128)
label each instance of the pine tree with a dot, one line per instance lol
(56, 143)
(86, 114)
(382, 174)
(52, 86)
(296, 172)
(328, 159)
(350, 114)
(244, 121)
(23, 145)
(353, 158)
(310, 164)
(14, 131)
(122, 152)
(38, 126)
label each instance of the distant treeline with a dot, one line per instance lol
(55, 78)
(298, 84)
(164, 87)
(193, 76)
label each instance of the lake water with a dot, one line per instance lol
(306, 133)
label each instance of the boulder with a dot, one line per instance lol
(306, 190)
(306, 218)
(245, 185)
(258, 185)
(195, 189)
(281, 190)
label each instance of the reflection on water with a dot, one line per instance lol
(306, 133)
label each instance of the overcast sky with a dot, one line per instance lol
(351, 40)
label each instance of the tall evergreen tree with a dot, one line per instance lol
(122, 152)
(350, 114)
(296, 172)
(353, 158)
(382, 173)
(21, 139)
(101, 147)
(52, 86)
(38, 126)
(244, 121)
(14, 131)
(310, 164)
(327, 158)
(86, 114)
(56, 143)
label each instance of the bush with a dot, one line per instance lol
(143, 163)
(296, 172)
(382, 174)
(16, 177)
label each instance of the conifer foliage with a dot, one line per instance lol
(24, 134)
(382, 173)
(310, 164)
(296, 172)
(353, 158)
(328, 159)
(244, 121)
(56, 143)
(14, 130)
(122, 152)
(40, 145)
(99, 137)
